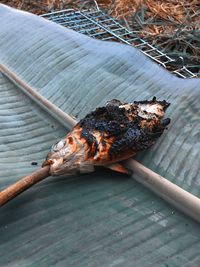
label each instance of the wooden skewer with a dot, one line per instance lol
(170, 192)
(52, 109)
(173, 194)
(15, 189)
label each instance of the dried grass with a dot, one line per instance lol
(172, 25)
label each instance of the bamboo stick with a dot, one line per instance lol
(52, 109)
(181, 199)
(173, 194)
(23, 184)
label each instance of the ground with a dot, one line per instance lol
(171, 25)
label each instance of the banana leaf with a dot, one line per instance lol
(103, 218)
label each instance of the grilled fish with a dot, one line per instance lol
(107, 136)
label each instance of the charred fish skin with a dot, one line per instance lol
(108, 135)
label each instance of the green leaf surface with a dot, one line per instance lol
(99, 219)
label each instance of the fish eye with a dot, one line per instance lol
(59, 145)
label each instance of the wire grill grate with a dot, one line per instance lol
(97, 24)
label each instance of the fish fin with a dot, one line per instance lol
(118, 168)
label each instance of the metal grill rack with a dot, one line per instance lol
(97, 24)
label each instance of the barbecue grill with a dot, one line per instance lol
(97, 24)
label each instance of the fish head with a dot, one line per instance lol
(68, 156)
(59, 157)
(63, 157)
